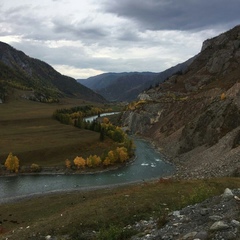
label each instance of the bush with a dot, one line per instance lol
(35, 168)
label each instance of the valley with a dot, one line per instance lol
(192, 118)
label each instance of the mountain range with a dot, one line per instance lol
(126, 86)
(38, 80)
(41, 82)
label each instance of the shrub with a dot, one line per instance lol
(35, 168)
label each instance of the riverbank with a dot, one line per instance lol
(112, 209)
(65, 171)
(203, 162)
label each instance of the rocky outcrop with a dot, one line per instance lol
(215, 218)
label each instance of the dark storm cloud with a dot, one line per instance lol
(176, 14)
(80, 30)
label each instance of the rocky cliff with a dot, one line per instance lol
(195, 117)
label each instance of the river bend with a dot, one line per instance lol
(149, 164)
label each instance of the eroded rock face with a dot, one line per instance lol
(141, 120)
(216, 121)
(226, 48)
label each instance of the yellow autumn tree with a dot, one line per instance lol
(68, 163)
(93, 161)
(12, 163)
(106, 161)
(96, 161)
(122, 154)
(112, 157)
(105, 120)
(79, 162)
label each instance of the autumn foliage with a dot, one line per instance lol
(119, 155)
(223, 96)
(93, 161)
(68, 163)
(12, 163)
(79, 162)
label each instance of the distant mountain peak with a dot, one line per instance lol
(126, 86)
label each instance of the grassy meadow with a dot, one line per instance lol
(29, 132)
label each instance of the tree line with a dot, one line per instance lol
(119, 155)
(75, 116)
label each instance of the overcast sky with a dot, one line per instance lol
(83, 38)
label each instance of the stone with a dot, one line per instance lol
(204, 211)
(235, 223)
(201, 235)
(220, 225)
(176, 213)
(190, 235)
(227, 193)
(215, 218)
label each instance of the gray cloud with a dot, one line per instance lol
(80, 30)
(135, 35)
(128, 35)
(175, 14)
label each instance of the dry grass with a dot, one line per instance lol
(78, 212)
(28, 130)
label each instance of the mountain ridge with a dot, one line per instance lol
(41, 80)
(126, 86)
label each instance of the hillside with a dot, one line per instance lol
(127, 86)
(194, 117)
(38, 79)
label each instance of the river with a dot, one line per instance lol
(149, 164)
(91, 118)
